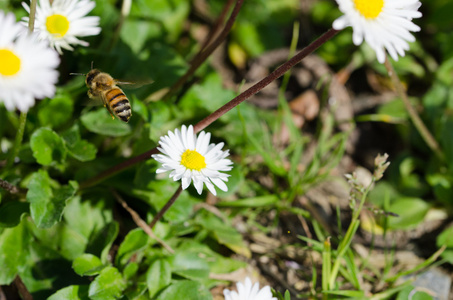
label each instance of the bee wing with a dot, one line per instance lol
(92, 101)
(133, 84)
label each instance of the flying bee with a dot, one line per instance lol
(102, 86)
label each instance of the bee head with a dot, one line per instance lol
(91, 75)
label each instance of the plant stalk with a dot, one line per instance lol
(18, 140)
(416, 120)
(166, 207)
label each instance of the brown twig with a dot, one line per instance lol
(224, 109)
(204, 53)
(166, 207)
(216, 27)
(23, 291)
(140, 223)
(10, 188)
(265, 81)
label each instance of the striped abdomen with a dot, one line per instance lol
(119, 104)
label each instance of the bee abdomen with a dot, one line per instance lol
(120, 104)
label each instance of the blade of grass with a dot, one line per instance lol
(420, 266)
(326, 263)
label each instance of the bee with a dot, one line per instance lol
(102, 86)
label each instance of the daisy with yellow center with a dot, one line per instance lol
(61, 22)
(192, 158)
(27, 66)
(383, 24)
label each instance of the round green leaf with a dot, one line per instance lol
(56, 111)
(108, 285)
(72, 292)
(410, 211)
(46, 202)
(14, 252)
(134, 240)
(87, 265)
(101, 122)
(192, 290)
(158, 276)
(47, 146)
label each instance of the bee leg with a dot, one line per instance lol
(111, 114)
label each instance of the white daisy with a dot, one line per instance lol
(61, 22)
(248, 292)
(192, 158)
(384, 24)
(27, 66)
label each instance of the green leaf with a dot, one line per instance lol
(166, 16)
(103, 240)
(446, 239)
(78, 148)
(47, 146)
(55, 112)
(208, 96)
(108, 285)
(14, 252)
(136, 239)
(101, 122)
(87, 265)
(191, 290)
(262, 201)
(11, 213)
(46, 200)
(72, 244)
(410, 211)
(394, 108)
(224, 233)
(130, 270)
(72, 292)
(408, 293)
(85, 217)
(158, 276)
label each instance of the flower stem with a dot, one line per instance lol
(280, 71)
(18, 140)
(166, 207)
(31, 20)
(23, 115)
(347, 239)
(418, 123)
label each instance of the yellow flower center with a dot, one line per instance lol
(57, 25)
(370, 9)
(9, 63)
(193, 160)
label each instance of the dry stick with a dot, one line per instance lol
(8, 187)
(23, 291)
(418, 123)
(140, 223)
(223, 110)
(166, 207)
(215, 28)
(204, 53)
